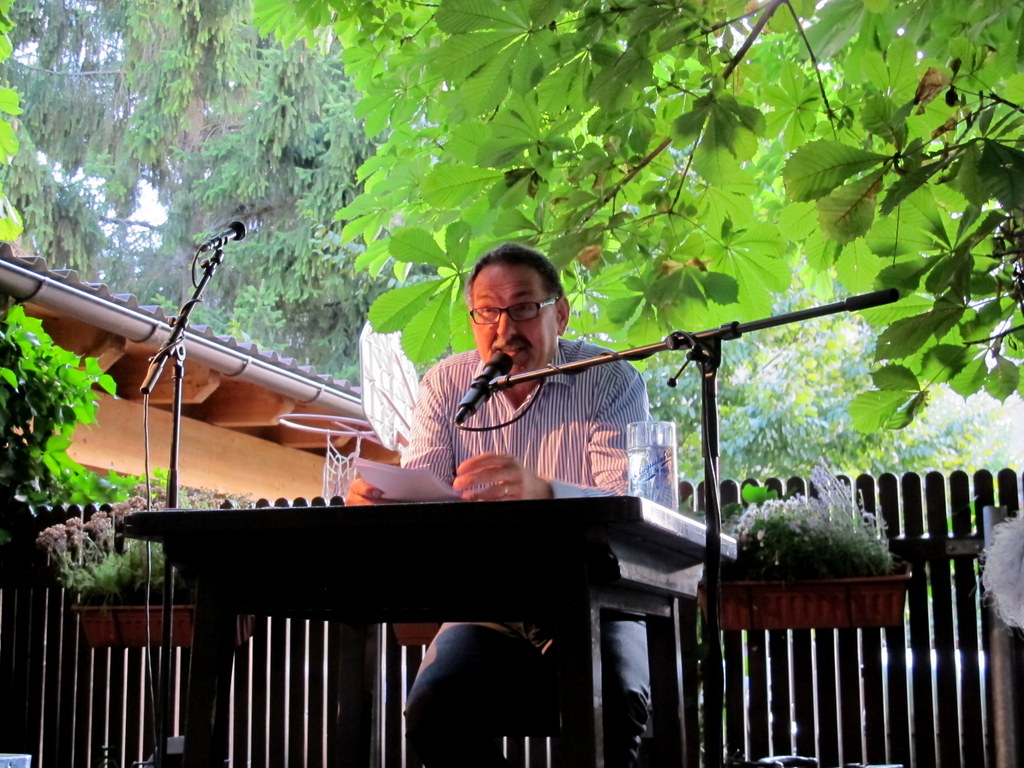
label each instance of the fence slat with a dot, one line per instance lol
(317, 682)
(736, 719)
(241, 693)
(826, 683)
(296, 692)
(781, 697)
(920, 628)
(966, 589)
(689, 629)
(757, 708)
(850, 706)
(803, 693)
(260, 691)
(874, 695)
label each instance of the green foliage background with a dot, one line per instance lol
(180, 108)
(686, 162)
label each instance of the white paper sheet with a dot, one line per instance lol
(398, 484)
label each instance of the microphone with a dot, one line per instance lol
(480, 390)
(235, 231)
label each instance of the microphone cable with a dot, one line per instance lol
(510, 422)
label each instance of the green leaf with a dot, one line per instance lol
(621, 311)
(108, 384)
(484, 91)
(904, 337)
(613, 83)
(448, 186)
(847, 213)
(688, 126)
(947, 312)
(817, 168)
(393, 310)
(719, 288)
(374, 258)
(1002, 168)
(10, 102)
(857, 267)
(514, 223)
(428, 334)
(895, 377)
(943, 362)
(461, 16)
(951, 272)
(1003, 378)
(905, 276)
(417, 246)
(836, 24)
(460, 56)
(874, 410)
(906, 185)
(749, 257)
(722, 119)
(57, 443)
(971, 378)
(9, 143)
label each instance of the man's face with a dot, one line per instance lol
(530, 343)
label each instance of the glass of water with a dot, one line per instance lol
(653, 473)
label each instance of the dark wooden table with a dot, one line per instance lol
(563, 561)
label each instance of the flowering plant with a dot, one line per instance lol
(807, 537)
(95, 561)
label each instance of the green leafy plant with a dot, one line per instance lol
(807, 537)
(45, 392)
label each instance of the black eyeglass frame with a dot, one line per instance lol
(514, 311)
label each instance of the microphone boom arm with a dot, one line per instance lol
(696, 341)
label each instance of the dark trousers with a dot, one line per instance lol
(477, 683)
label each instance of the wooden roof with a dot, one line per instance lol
(234, 394)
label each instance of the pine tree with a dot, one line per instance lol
(148, 125)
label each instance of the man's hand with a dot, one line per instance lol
(495, 476)
(361, 493)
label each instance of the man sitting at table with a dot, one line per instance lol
(555, 437)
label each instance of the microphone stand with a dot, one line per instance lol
(173, 349)
(705, 348)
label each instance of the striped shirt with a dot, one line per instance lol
(574, 434)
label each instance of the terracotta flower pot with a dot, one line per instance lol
(124, 626)
(874, 601)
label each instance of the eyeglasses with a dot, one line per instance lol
(527, 310)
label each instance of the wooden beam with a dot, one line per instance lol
(210, 457)
(83, 339)
(241, 404)
(200, 382)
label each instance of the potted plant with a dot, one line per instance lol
(812, 561)
(117, 583)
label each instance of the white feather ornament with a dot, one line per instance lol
(1003, 576)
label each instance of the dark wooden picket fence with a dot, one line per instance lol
(920, 694)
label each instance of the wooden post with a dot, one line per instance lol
(1003, 671)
